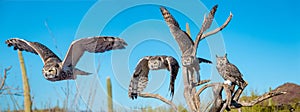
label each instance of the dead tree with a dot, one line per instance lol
(190, 66)
(191, 69)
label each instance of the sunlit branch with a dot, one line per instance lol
(217, 29)
(157, 96)
(260, 99)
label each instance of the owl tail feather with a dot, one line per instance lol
(202, 60)
(80, 72)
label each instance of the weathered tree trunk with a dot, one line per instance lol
(26, 87)
(188, 89)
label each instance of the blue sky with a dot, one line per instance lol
(262, 40)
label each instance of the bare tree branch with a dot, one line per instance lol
(202, 82)
(217, 103)
(15, 94)
(204, 87)
(203, 36)
(196, 99)
(11, 88)
(4, 77)
(233, 104)
(205, 25)
(260, 99)
(217, 29)
(188, 88)
(157, 96)
(12, 97)
(228, 97)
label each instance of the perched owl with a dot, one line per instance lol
(54, 68)
(230, 74)
(139, 79)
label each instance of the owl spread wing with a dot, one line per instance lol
(202, 60)
(173, 67)
(139, 79)
(208, 20)
(33, 47)
(183, 39)
(96, 44)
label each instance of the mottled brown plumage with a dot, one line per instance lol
(185, 42)
(139, 79)
(231, 73)
(54, 68)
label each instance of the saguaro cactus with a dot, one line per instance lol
(109, 95)
(26, 87)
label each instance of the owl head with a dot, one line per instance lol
(155, 64)
(222, 59)
(51, 72)
(187, 60)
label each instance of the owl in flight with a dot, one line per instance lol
(231, 75)
(139, 79)
(54, 68)
(185, 42)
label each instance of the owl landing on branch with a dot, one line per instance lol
(185, 42)
(54, 68)
(139, 79)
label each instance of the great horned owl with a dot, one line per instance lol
(183, 39)
(185, 43)
(54, 68)
(231, 75)
(139, 79)
(189, 60)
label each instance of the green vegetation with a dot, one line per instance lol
(265, 106)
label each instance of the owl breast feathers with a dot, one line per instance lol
(229, 71)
